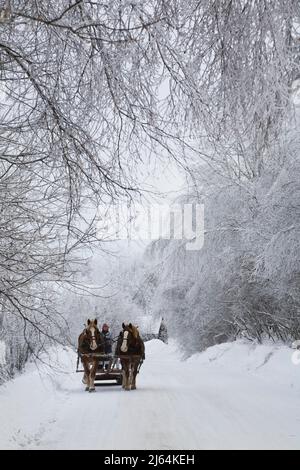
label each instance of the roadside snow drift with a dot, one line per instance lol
(233, 396)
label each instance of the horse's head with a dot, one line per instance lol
(93, 334)
(130, 335)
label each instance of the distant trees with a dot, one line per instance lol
(245, 280)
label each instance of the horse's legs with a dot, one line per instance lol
(93, 372)
(124, 378)
(86, 377)
(123, 374)
(128, 376)
(134, 374)
(126, 372)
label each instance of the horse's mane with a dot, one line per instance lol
(135, 331)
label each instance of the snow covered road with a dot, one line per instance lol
(231, 396)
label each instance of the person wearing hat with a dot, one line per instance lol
(107, 338)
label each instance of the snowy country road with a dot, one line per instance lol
(231, 396)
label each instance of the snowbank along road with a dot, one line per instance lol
(233, 396)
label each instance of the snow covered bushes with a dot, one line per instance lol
(245, 281)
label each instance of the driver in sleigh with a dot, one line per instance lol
(107, 343)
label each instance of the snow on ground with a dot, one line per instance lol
(233, 396)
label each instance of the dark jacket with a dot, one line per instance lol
(108, 342)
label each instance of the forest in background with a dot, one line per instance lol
(89, 92)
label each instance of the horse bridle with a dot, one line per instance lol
(89, 334)
(127, 339)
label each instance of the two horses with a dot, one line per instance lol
(130, 348)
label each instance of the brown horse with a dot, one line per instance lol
(90, 341)
(131, 345)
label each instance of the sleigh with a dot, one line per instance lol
(109, 370)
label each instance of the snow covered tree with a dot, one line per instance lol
(89, 89)
(163, 332)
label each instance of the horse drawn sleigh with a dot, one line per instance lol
(120, 368)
